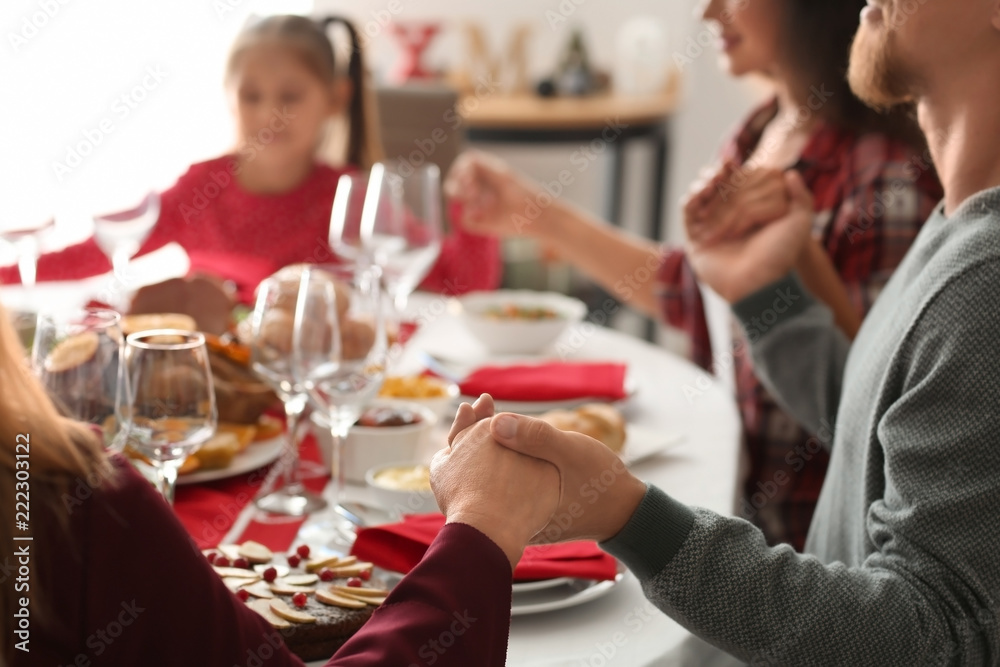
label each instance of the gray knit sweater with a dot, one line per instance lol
(903, 564)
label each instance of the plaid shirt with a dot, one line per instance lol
(872, 195)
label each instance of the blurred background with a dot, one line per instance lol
(105, 101)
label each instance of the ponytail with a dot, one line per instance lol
(364, 146)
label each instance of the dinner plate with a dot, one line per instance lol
(572, 593)
(541, 584)
(256, 455)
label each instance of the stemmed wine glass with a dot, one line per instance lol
(79, 357)
(271, 332)
(172, 410)
(340, 349)
(121, 235)
(26, 243)
(394, 219)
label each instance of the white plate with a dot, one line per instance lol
(643, 442)
(541, 584)
(538, 407)
(256, 455)
(574, 592)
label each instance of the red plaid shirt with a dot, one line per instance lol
(872, 196)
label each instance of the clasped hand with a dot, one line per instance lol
(520, 480)
(747, 229)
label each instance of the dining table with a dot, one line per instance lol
(696, 415)
(693, 413)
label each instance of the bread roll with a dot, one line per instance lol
(598, 420)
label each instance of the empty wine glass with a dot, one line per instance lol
(270, 342)
(121, 235)
(78, 355)
(339, 346)
(393, 218)
(26, 244)
(172, 410)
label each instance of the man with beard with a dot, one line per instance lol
(903, 556)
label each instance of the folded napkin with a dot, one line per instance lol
(556, 381)
(400, 546)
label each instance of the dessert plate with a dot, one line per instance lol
(258, 454)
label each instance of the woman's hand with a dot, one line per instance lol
(737, 266)
(732, 203)
(495, 201)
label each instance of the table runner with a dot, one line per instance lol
(209, 510)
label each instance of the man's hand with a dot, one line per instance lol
(506, 496)
(494, 199)
(739, 266)
(599, 495)
(719, 209)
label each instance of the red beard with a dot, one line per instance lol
(876, 74)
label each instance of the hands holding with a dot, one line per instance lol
(742, 238)
(521, 480)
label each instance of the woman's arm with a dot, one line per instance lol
(819, 275)
(451, 610)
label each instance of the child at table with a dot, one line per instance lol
(244, 215)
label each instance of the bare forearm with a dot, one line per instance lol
(620, 263)
(819, 275)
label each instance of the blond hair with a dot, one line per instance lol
(310, 41)
(59, 451)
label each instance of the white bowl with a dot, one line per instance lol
(369, 446)
(400, 501)
(518, 336)
(442, 406)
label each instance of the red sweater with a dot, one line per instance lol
(245, 237)
(126, 586)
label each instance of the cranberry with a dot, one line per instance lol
(243, 594)
(270, 574)
(221, 561)
(354, 582)
(303, 550)
(294, 560)
(211, 557)
(365, 574)
(326, 574)
(299, 600)
(242, 563)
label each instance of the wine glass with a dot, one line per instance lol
(172, 410)
(340, 349)
(270, 342)
(26, 243)
(78, 356)
(121, 235)
(394, 219)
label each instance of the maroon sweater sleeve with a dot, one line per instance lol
(451, 610)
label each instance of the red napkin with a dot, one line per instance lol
(557, 381)
(400, 546)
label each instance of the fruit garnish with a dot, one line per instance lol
(270, 574)
(221, 561)
(243, 594)
(294, 560)
(241, 563)
(326, 574)
(303, 550)
(300, 600)
(354, 582)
